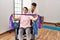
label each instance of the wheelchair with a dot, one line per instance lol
(16, 27)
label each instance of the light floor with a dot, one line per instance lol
(44, 34)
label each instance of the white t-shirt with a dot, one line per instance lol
(33, 12)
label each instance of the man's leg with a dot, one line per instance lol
(28, 33)
(33, 36)
(32, 33)
(20, 36)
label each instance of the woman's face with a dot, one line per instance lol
(25, 10)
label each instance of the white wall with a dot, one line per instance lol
(27, 3)
(6, 8)
(50, 9)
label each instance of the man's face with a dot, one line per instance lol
(33, 7)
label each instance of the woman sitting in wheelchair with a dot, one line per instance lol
(25, 23)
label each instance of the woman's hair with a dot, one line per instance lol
(26, 8)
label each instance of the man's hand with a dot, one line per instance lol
(35, 15)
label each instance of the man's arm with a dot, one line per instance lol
(35, 18)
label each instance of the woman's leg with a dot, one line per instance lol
(28, 33)
(20, 36)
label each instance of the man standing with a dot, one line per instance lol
(32, 11)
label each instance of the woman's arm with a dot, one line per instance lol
(13, 17)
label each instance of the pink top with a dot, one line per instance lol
(25, 21)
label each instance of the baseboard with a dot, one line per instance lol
(6, 32)
(49, 23)
(56, 24)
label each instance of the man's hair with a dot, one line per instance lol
(34, 4)
(26, 8)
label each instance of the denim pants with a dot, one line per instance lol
(28, 33)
